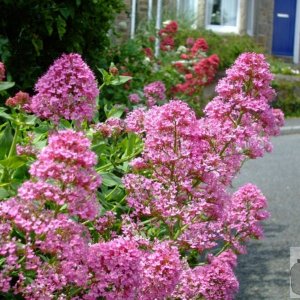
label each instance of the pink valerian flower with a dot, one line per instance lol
(103, 223)
(245, 211)
(138, 164)
(68, 90)
(248, 68)
(116, 268)
(190, 41)
(2, 71)
(134, 121)
(111, 127)
(199, 45)
(242, 110)
(214, 281)
(167, 43)
(154, 92)
(27, 150)
(148, 52)
(134, 98)
(201, 236)
(21, 100)
(197, 69)
(167, 33)
(186, 166)
(170, 27)
(161, 271)
(67, 159)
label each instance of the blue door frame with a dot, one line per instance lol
(284, 27)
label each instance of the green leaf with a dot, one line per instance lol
(13, 162)
(3, 195)
(65, 123)
(103, 72)
(6, 139)
(65, 12)
(109, 179)
(99, 148)
(120, 80)
(30, 119)
(2, 260)
(116, 112)
(4, 115)
(37, 44)
(49, 24)
(4, 85)
(61, 26)
(106, 77)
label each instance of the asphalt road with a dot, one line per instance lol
(264, 272)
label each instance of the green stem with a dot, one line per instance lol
(225, 247)
(14, 142)
(101, 86)
(127, 158)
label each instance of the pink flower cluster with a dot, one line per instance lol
(197, 68)
(45, 250)
(111, 127)
(167, 34)
(21, 100)
(180, 181)
(68, 90)
(184, 227)
(154, 92)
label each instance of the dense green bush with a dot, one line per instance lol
(227, 46)
(33, 33)
(288, 97)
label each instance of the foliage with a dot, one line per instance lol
(183, 66)
(33, 33)
(227, 46)
(134, 208)
(278, 66)
(288, 96)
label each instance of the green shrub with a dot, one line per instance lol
(33, 33)
(288, 97)
(227, 46)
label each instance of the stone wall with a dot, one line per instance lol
(263, 24)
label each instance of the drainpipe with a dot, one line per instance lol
(157, 26)
(297, 35)
(133, 18)
(150, 5)
(177, 8)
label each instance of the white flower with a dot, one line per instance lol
(181, 49)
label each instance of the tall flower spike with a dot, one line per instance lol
(68, 161)
(68, 90)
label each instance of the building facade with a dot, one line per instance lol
(275, 24)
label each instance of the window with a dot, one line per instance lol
(222, 15)
(187, 8)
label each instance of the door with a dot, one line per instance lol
(284, 27)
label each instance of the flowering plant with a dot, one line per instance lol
(184, 67)
(136, 208)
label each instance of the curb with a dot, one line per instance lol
(290, 130)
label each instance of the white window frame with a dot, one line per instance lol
(250, 17)
(223, 28)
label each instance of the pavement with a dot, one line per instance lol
(264, 273)
(292, 126)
